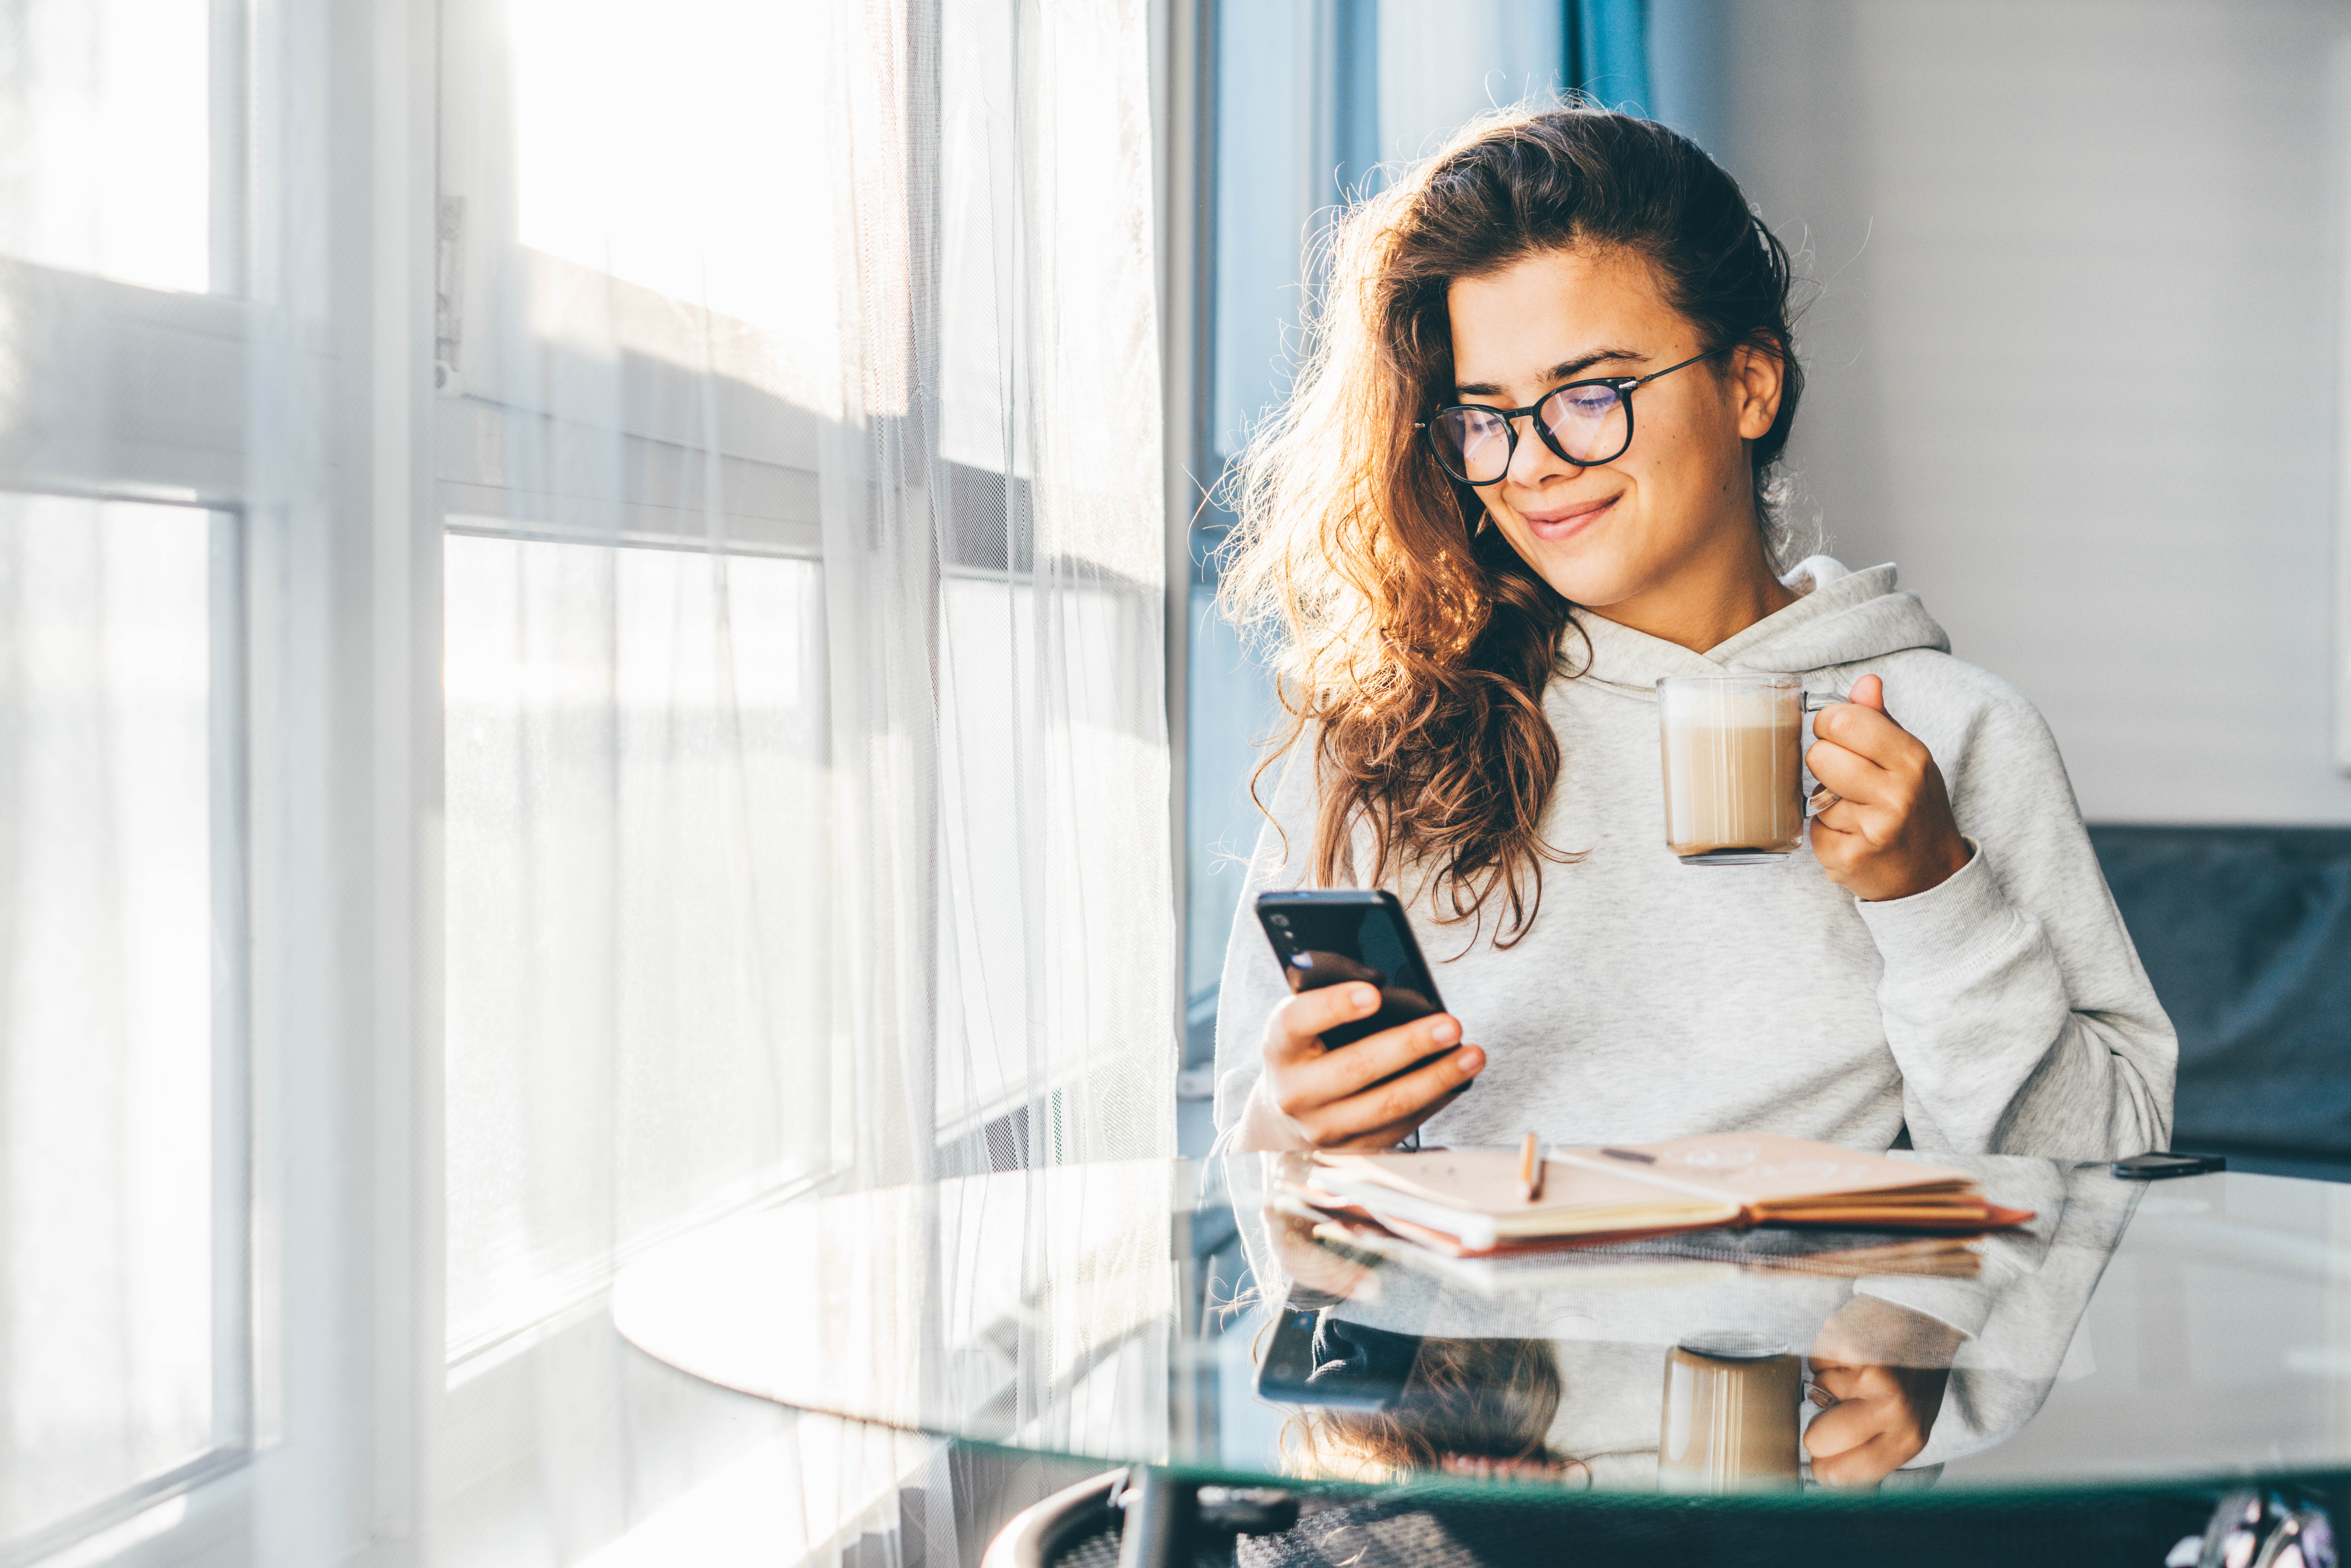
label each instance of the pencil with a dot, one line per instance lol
(1530, 1168)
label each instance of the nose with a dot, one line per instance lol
(1533, 461)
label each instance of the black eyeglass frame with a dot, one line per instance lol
(1621, 386)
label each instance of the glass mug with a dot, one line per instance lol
(1730, 1417)
(1732, 748)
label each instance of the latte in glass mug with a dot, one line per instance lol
(1729, 1421)
(1732, 750)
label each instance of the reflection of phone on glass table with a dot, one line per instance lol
(1312, 1358)
(1328, 936)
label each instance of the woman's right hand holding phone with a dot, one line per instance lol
(1352, 1096)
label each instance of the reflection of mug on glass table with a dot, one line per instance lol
(1730, 1419)
(1732, 750)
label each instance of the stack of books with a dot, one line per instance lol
(1821, 1208)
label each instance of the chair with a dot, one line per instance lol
(2246, 934)
(1175, 1523)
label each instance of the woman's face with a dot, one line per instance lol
(1676, 511)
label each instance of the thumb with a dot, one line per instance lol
(1869, 692)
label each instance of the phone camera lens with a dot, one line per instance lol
(1279, 922)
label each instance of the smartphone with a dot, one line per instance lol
(2157, 1167)
(1312, 1358)
(1328, 936)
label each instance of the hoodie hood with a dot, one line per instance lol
(1842, 618)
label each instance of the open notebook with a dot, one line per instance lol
(1676, 1255)
(1475, 1200)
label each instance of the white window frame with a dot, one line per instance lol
(167, 442)
(328, 1118)
(763, 470)
(318, 909)
(485, 1400)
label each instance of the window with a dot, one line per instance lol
(125, 1214)
(111, 173)
(121, 1326)
(519, 880)
(640, 369)
(637, 1025)
(635, 797)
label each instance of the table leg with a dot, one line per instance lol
(1161, 1510)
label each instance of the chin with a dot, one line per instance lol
(1576, 575)
(1598, 599)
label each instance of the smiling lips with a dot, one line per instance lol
(1555, 524)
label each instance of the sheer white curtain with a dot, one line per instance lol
(579, 649)
(107, 1153)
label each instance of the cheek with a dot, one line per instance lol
(1682, 484)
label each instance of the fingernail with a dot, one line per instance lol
(1364, 997)
(1444, 1029)
(1471, 1059)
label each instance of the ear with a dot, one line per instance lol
(1756, 373)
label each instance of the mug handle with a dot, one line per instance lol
(1823, 797)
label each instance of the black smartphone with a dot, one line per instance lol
(1328, 936)
(1313, 1358)
(2157, 1167)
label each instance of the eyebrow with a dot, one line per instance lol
(1566, 370)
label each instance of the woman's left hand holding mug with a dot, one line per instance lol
(1891, 833)
(1886, 1368)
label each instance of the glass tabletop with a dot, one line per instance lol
(1186, 1313)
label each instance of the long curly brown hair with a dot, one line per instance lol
(1411, 644)
(1490, 1400)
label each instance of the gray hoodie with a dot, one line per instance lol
(2003, 1011)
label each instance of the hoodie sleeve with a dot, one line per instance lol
(2013, 998)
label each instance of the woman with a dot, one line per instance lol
(1479, 569)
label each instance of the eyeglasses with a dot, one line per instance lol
(1586, 422)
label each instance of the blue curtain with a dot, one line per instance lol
(1608, 54)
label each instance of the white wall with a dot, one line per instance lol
(2076, 354)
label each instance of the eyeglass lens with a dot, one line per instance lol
(1588, 423)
